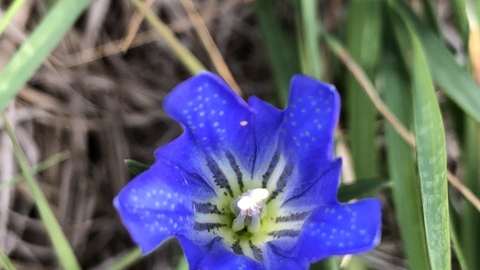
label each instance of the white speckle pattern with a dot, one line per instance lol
(315, 114)
(147, 202)
(211, 111)
(341, 227)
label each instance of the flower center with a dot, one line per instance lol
(249, 208)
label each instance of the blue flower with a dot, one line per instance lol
(248, 186)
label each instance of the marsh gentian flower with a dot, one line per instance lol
(248, 186)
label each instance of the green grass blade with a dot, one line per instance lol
(360, 188)
(8, 16)
(5, 261)
(455, 82)
(192, 63)
(456, 245)
(283, 58)
(309, 37)
(183, 265)
(470, 218)
(401, 164)
(135, 167)
(37, 47)
(431, 17)
(61, 246)
(49, 162)
(364, 36)
(459, 10)
(127, 260)
(328, 264)
(431, 158)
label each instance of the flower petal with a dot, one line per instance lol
(341, 229)
(323, 191)
(156, 205)
(277, 261)
(216, 257)
(309, 123)
(183, 153)
(267, 122)
(217, 118)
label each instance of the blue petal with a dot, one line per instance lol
(217, 118)
(275, 260)
(216, 257)
(267, 122)
(156, 205)
(184, 154)
(309, 124)
(323, 191)
(341, 229)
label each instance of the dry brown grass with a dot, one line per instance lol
(103, 105)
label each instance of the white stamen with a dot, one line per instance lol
(250, 204)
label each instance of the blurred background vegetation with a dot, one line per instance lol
(82, 82)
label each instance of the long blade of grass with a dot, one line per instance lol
(364, 39)
(431, 17)
(192, 63)
(408, 137)
(431, 158)
(455, 82)
(210, 46)
(309, 38)
(280, 48)
(360, 188)
(183, 265)
(401, 164)
(127, 260)
(41, 42)
(61, 246)
(49, 162)
(8, 16)
(459, 9)
(470, 219)
(5, 261)
(456, 244)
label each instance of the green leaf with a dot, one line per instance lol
(459, 10)
(364, 39)
(470, 219)
(308, 38)
(8, 16)
(5, 261)
(49, 162)
(455, 82)
(431, 158)
(360, 188)
(127, 260)
(37, 47)
(429, 12)
(456, 245)
(184, 55)
(280, 48)
(401, 163)
(136, 167)
(60, 243)
(183, 265)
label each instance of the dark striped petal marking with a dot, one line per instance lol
(236, 169)
(231, 182)
(218, 176)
